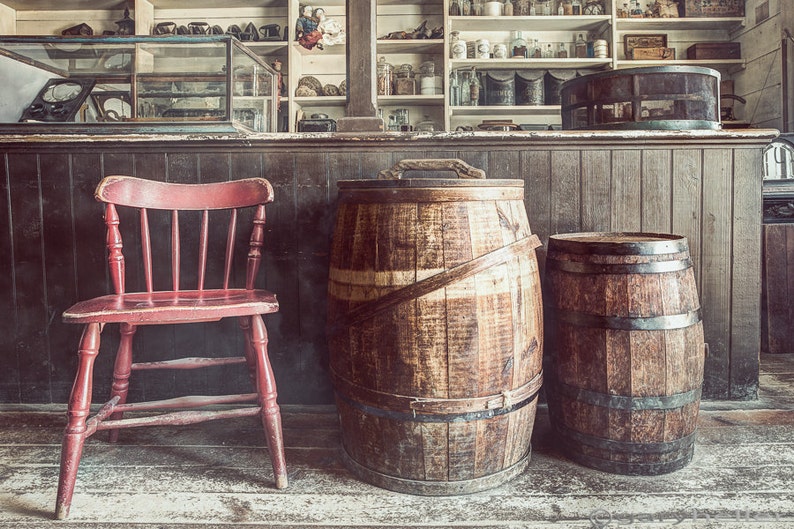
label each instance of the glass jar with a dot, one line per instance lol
(454, 8)
(518, 45)
(521, 8)
(404, 83)
(427, 78)
(581, 47)
(385, 77)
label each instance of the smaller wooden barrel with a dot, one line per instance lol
(626, 348)
(435, 329)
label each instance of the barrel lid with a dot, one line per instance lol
(618, 243)
(421, 183)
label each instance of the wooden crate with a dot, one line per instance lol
(712, 8)
(714, 50)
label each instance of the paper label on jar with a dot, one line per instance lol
(483, 49)
(459, 49)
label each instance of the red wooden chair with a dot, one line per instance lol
(174, 306)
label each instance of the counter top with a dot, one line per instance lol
(609, 137)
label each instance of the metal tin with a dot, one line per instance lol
(553, 83)
(500, 87)
(529, 87)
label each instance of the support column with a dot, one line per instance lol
(362, 103)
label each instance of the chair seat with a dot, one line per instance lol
(172, 307)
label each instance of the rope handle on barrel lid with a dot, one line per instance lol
(425, 286)
(461, 168)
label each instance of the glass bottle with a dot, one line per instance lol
(577, 7)
(532, 10)
(454, 8)
(547, 8)
(548, 52)
(474, 88)
(518, 45)
(563, 51)
(476, 8)
(454, 90)
(385, 77)
(507, 10)
(560, 9)
(465, 89)
(465, 9)
(581, 47)
(536, 52)
(521, 8)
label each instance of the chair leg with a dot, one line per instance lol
(121, 374)
(271, 415)
(250, 356)
(79, 408)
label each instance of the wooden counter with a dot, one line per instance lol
(705, 185)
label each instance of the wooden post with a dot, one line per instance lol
(360, 112)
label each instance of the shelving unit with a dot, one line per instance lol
(40, 17)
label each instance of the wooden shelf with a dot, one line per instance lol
(529, 64)
(536, 23)
(417, 100)
(708, 63)
(672, 24)
(418, 46)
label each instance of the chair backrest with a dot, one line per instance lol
(173, 201)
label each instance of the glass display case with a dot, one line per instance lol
(211, 82)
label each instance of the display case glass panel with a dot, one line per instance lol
(211, 82)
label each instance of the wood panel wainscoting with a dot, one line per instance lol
(704, 185)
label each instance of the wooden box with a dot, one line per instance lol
(712, 8)
(652, 54)
(714, 50)
(631, 41)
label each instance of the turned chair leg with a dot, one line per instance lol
(271, 415)
(121, 373)
(250, 355)
(79, 408)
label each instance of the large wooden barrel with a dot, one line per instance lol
(435, 329)
(625, 344)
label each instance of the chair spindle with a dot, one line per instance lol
(146, 250)
(114, 245)
(230, 237)
(176, 250)
(202, 263)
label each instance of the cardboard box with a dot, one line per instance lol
(712, 8)
(714, 50)
(652, 54)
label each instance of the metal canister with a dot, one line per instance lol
(529, 87)
(500, 87)
(553, 83)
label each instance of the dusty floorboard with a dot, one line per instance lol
(218, 475)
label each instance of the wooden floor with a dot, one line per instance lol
(218, 475)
